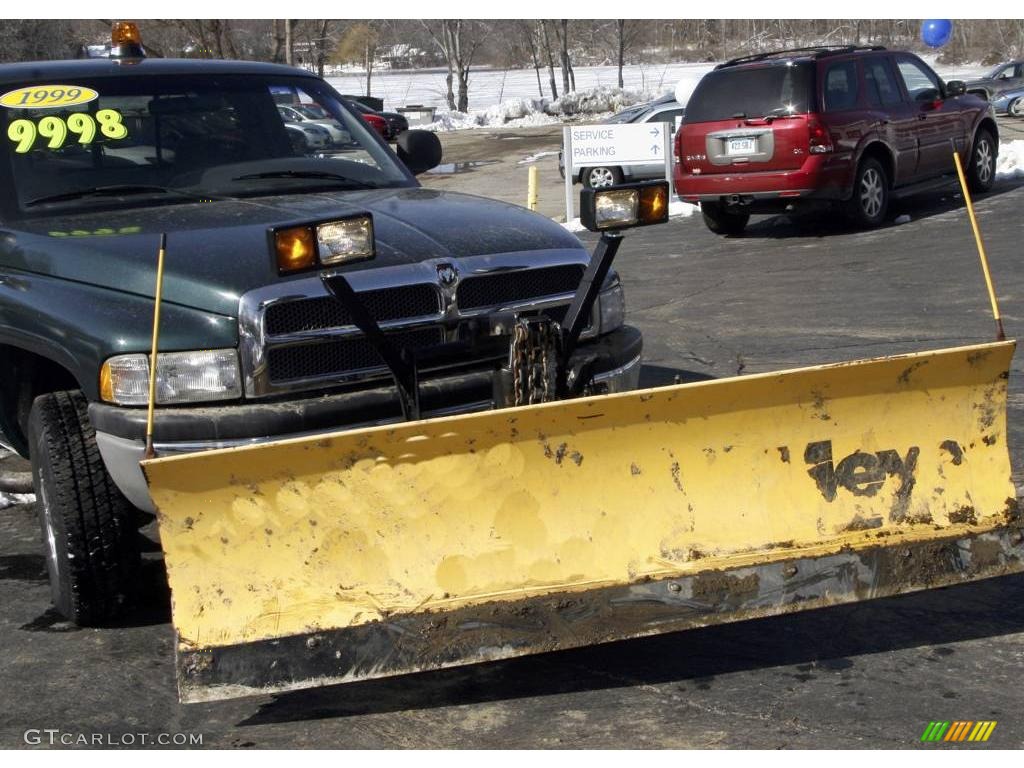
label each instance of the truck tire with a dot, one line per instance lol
(981, 166)
(722, 221)
(870, 199)
(89, 534)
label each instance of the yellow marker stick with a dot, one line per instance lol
(1000, 334)
(531, 191)
(156, 337)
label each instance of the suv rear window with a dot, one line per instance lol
(777, 89)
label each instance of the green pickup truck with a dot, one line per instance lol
(102, 157)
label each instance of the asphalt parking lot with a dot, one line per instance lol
(870, 675)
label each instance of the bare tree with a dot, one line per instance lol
(550, 56)
(626, 35)
(458, 40)
(568, 76)
(527, 32)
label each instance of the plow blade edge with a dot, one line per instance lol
(428, 544)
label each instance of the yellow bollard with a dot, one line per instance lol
(531, 189)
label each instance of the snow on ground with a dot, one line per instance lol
(518, 112)
(490, 87)
(676, 210)
(1011, 160)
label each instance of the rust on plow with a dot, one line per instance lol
(499, 630)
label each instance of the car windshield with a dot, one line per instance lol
(751, 92)
(154, 140)
(629, 115)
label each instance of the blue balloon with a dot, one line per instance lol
(935, 33)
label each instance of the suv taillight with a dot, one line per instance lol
(819, 140)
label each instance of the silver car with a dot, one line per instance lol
(663, 110)
(1008, 76)
(1010, 102)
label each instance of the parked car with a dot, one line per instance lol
(1010, 102)
(375, 121)
(847, 127)
(1007, 76)
(308, 136)
(394, 123)
(303, 114)
(663, 110)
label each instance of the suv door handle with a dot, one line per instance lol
(879, 123)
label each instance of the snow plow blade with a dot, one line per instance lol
(430, 544)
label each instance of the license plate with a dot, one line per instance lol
(743, 146)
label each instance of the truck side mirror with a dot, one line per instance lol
(955, 88)
(419, 150)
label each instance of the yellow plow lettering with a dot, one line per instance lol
(426, 544)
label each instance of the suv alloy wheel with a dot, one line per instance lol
(981, 168)
(870, 200)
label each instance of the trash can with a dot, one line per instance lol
(417, 114)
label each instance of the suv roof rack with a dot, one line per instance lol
(816, 51)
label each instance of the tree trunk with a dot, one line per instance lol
(563, 53)
(278, 55)
(533, 55)
(368, 62)
(321, 49)
(621, 25)
(289, 49)
(551, 58)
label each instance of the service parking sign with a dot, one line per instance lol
(593, 145)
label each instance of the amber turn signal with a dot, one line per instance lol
(296, 249)
(654, 203)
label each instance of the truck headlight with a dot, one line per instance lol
(181, 377)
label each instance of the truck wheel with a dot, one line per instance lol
(870, 200)
(603, 176)
(722, 221)
(92, 549)
(981, 168)
(1016, 107)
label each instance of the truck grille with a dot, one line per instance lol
(506, 287)
(294, 336)
(327, 312)
(309, 361)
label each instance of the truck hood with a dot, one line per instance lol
(216, 251)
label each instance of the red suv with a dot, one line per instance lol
(846, 126)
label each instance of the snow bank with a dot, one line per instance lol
(1011, 160)
(521, 112)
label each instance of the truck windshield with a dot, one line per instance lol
(775, 89)
(153, 140)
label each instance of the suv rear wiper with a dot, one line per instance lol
(109, 189)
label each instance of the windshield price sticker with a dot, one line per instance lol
(47, 97)
(57, 130)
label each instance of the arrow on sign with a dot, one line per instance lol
(655, 149)
(655, 132)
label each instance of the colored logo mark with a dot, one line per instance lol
(958, 730)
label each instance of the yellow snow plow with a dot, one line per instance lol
(432, 543)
